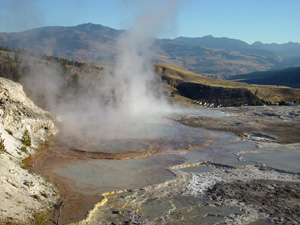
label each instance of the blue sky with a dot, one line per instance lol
(267, 21)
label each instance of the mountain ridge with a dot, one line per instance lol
(284, 50)
(95, 42)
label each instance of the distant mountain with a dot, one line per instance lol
(220, 43)
(86, 42)
(215, 63)
(288, 50)
(286, 77)
(209, 56)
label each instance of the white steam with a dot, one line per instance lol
(129, 97)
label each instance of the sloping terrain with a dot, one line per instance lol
(90, 42)
(197, 87)
(217, 63)
(23, 195)
(285, 51)
(75, 78)
(288, 77)
(86, 42)
(222, 43)
(49, 80)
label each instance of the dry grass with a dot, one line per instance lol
(267, 92)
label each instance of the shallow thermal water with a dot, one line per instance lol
(175, 144)
(281, 160)
(99, 176)
(99, 166)
(197, 169)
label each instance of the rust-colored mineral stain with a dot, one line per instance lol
(74, 206)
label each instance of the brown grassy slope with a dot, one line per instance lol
(198, 87)
(181, 81)
(33, 71)
(97, 43)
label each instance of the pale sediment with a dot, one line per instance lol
(23, 195)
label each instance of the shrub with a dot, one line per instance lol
(9, 132)
(266, 102)
(2, 146)
(26, 140)
(256, 102)
(282, 102)
(24, 149)
(44, 195)
(40, 218)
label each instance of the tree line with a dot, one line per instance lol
(16, 64)
(18, 52)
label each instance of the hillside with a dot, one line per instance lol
(97, 43)
(222, 43)
(24, 196)
(288, 77)
(217, 63)
(87, 42)
(201, 88)
(286, 51)
(49, 80)
(73, 78)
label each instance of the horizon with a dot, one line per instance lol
(269, 21)
(157, 38)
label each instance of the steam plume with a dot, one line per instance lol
(134, 69)
(129, 96)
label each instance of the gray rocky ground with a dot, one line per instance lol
(276, 122)
(23, 195)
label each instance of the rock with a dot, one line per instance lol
(12, 171)
(28, 183)
(19, 113)
(19, 199)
